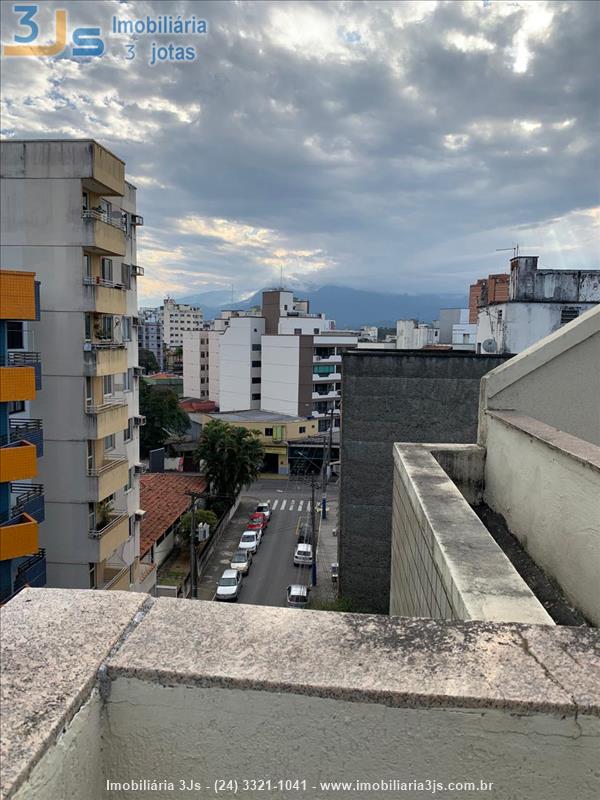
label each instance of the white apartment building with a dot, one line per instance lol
(177, 318)
(539, 302)
(369, 333)
(195, 364)
(69, 215)
(413, 335)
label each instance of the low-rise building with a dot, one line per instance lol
(539, 302)
(414, 335)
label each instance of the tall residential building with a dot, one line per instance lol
(150, 333)
(22, 562)
(539, 301)
(69, 215)
(177, 318)
(195, 364)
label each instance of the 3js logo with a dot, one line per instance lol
(86, 41)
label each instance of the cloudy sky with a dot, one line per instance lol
(384, 145)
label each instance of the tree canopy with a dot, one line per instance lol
(231, 457)
(164, 416)
(147, 360)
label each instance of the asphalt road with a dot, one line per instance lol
(272, 567)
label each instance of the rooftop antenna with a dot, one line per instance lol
(515, 248)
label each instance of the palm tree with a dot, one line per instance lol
(231, 457)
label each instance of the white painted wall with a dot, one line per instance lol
(308, 325)
(235, 363)
(280, 374)
(195, 364)
(214, 366)
(551, 503)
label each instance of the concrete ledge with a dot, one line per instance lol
(472, 576)
(53, 642)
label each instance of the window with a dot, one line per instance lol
(297, 331)
(90, 455)
(106, 327)
(128, 380)
(268, 431)
(107, 385)
(323, 369)
(302, 429)
(256, 363)
(88, 327)
(132, 526)
(16, 406)
(315, 330)
(107, 269)
(126, 275)
(256, 348)
(128, 432)
(109, 442)
(255, 380)
(87, 265)
(126, 328)
(85, 201)
(92, 571)
(89, 393)
(92, 516)
(568, 314)
(129, 485)
(256, 396)
(14, 336)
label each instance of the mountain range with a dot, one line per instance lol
(350, 308)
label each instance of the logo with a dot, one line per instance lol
(86, 42)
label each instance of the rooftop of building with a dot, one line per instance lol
(252, 415)
(163, 498)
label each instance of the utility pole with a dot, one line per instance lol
(314, 531)
(326, 460)
(195, 496)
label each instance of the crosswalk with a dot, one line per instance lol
(295, 506)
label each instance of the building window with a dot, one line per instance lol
(87, 265)
(256, 363)
(315, 330)
(268, 431)
(297, 331)
(256, 396)
(256, 348)
(106, 327)
(126, 328)
(92, 572)
(126, 275)
(568, 314)
(129, 485)
(107, 385)
(128, 380)
(16, 406)
(107, 269)
(302, 429)
(85, 201)
(88, 327)
(255, 380)
(128, 432)
(90, 455)
(14, 336)
(109, 442)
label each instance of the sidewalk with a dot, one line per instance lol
(327, 554)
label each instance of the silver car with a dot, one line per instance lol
(241, 561)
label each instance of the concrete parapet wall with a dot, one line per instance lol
(445, 564)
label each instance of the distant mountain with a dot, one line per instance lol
(350, 308)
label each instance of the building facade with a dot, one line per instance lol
(539, 302)
(178, 318)
(414, 335)
(69, 214)
(150, 333)
(195, 364)
(22, 562)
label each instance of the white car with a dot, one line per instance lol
(264, 508)
(229, 585)
(249, 541)
(303, 555)
(241, 561)
(258, 531)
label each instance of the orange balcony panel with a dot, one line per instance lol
(17, 295)
(17, 383)
(18, 462)
(19, 539)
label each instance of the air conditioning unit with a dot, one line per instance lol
(87, 347)
(137, 270)
(137, 371)
(140, 513)
(139, 469)
(139, 420)
(136, 219)
(135, 321)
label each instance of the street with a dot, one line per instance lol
(272, 567)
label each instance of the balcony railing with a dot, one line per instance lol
(29, 499)
(106, 466)
(26, 430)
(22, 358)
(31, 572)
(115, 577)
(115, 220)
(108, 405)
(96, 280)
(115, 518)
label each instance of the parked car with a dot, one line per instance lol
(249, 541)
(304, 534)
(303, 556)
(259, 516)
(265, 508)
(256, 525)
(229, 584)
(297, 595)
(241, 561)
(257, 531)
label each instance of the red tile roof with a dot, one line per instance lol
(205, 406)
(163, 498)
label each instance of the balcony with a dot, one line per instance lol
(25, 430)
(102, 234)
(18, 537)
(104, 358)
(31, 572)
(116, 579)
(519, 703)
(26, 498)
(327, 359)
(18, 461)
(107, 297)
(23, 359)
(107, 173)
(107, 418)
(20, 295)
(330, 376)
(111, 535)
(108, 478)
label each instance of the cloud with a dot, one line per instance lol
(392, 146)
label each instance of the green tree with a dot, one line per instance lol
(231, 457)
(202, 516)
(148, 360)
(164, 416)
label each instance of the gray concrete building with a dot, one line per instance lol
(394, 396)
